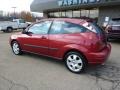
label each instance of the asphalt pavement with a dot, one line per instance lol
(33, 72)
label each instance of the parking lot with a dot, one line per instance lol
(32, 72)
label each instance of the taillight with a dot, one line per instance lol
(98, 42)
(100, 46)
(108, 28)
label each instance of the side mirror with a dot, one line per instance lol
(24, 31)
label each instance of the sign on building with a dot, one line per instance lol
(76, 2)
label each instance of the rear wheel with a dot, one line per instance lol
(75, 62)
(9, 29)
(16, 48)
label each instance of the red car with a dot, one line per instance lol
(75, 41)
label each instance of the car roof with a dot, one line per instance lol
(71, 20)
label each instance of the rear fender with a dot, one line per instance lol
(73, 47)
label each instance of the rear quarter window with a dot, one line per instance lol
(72, 28)
(93, 27)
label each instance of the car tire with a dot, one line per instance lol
(4, 31)
(9, 29)
(16, 48)
(75, 62)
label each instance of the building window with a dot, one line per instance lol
(94, 13)
(56, 14)
(51, 14)
(63, 14)
(80, 13)
(84, 13)
(76, 14)
(69, 14)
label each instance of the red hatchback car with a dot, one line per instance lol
(75, 41)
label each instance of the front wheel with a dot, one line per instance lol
(4, 31)
(75, 62)
(16, 48)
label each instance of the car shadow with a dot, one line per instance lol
(94, 70)
(45, 59)
(117, 41)
(90, 69)
(107, 72)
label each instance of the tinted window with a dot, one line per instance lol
(56, 27)
(22, 21)
(61, 27)
(72, 28)
(40, 28)
(93, 27)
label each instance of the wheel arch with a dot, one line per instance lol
(20, 49)
(13, 41)
(10, 27)
(75, 50)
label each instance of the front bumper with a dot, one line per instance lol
(99, 57)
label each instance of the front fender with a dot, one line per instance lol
(13, 37)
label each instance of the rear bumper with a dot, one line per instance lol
(99, 57)
(113, 35)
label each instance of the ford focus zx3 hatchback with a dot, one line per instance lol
(75, 41)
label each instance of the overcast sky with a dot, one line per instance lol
(6, 5)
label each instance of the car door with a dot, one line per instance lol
(63, 34)
(57, 40)
(36, 40)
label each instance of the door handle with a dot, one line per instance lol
(43, 37)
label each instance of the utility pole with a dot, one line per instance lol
(14, 11)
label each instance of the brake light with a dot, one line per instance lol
(98, 46)
(98, 42)
(108, 28)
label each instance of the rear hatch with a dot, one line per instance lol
(100, 34)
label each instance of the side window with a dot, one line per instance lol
(56, 27)
(21, 21)
(72, 28)
(40, 28)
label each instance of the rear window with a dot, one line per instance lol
(93, 27)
